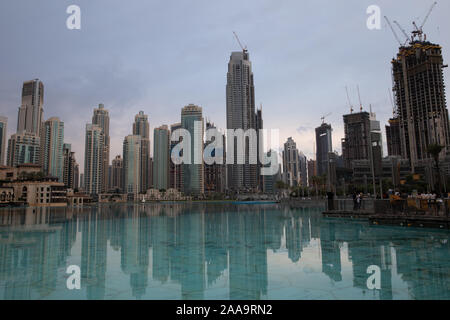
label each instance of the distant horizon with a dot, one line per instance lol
(156, 58)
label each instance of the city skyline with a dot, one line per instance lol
(73, 90)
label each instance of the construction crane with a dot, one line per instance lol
(348, 99)
(393, 31)
(323, 117)
(419, 30)
(244, 49)
(403, 31)
(359, 97)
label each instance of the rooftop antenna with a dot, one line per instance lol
(359, 97)
(244, 49)
(419, 30)
(348, 99)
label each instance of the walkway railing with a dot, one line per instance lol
(410, 206)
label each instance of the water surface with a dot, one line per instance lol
(214, 251)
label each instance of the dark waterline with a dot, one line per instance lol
(214, 251)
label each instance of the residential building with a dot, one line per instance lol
(161, 158)
(240, 101)
(193, 174)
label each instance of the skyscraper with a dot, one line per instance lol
(132, 164)
(23, 148)
(31, 111)
(193, 175)
(324, 146)
(312, 171)
(70, 167)
(393, 140)
(141, 128)
(3, 134)
(291, 163)
(161, 157)
(94, 151)
(362, 130)
(215, 174)
(101, 119)
(303, 166)
(175, 170)
(117, 174)
(420, 100)
(52, 143)
(240, 99)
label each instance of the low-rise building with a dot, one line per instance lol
(46, 192)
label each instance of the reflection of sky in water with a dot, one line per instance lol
(214, 251)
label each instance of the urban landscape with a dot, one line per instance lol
(191, 211)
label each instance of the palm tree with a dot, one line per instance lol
(434, 150)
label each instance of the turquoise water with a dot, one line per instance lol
(214, 251)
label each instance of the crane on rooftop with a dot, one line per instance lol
(348, 99)
(419, 30)
(403, 31)
(393, 31)
(244, 49)
(359, 97)
(323, 117)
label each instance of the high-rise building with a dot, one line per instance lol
(101, 119)
(215, 174)
(420, 100)
(3, 134)
(240, 99)
(52, 145)
(269, 181)
(76, 176)
(260, 147)
(393, 140)
(117, 174)
(303, 168)
(161, 157)
(70, 167)
(31, 111)
(312, 171)
(291, 163)
(132, 164)
(324, 146)
(193, 175)
(175, 170)
(23, 148)
(94, 165)
(141, 128)
(361, 131)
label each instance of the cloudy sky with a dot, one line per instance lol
(160, 55)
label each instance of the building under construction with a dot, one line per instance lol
(418, 85)
(393, 137)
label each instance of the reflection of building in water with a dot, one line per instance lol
(190, 241)
(247, 255)
(93, 252)
(200, 246)
(298, 235)
(331, 252)
(415, 260)
(216, 254)
(34, 243)
(135, 249)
